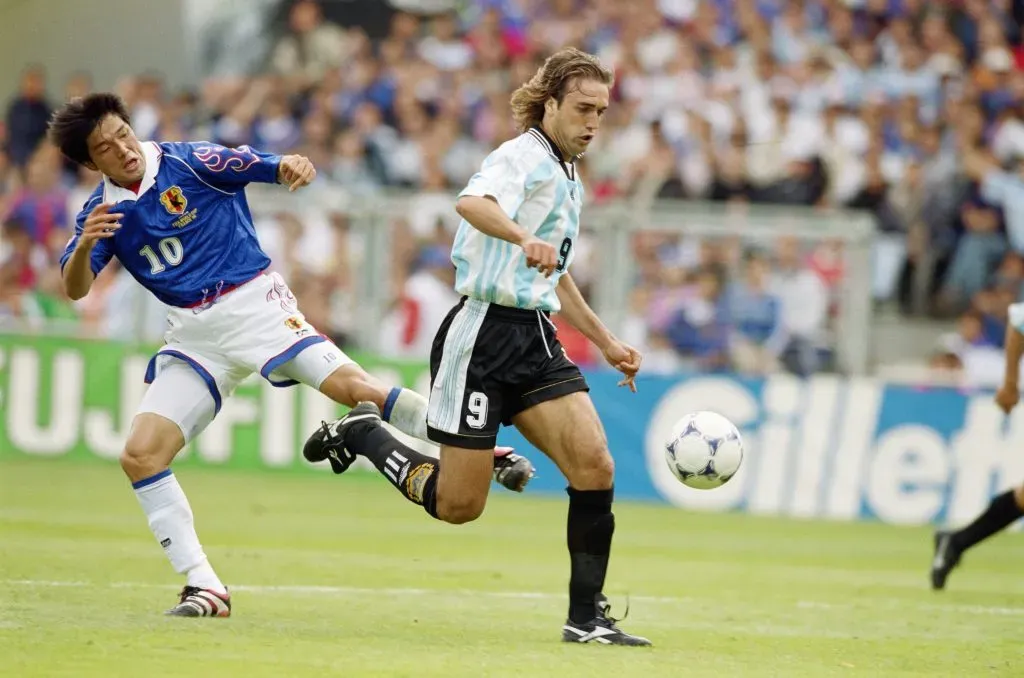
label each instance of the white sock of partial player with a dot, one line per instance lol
(407, 411)
(170, 518)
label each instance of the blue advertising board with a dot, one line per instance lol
(828, 447)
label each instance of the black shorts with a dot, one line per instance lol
(489, 363)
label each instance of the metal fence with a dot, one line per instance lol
(611, 226)
(614, 224)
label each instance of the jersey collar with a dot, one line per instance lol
(112, 193)
(551, 147)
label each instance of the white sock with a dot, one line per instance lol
(170, 518)
(407, 411)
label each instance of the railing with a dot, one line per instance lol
(612, 226)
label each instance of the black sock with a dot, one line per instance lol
(413, 474)
(589, 536)
(1001, 513)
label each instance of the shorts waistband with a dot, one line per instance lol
(506, 313)
(215, 295)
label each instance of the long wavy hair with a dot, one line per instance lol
(561, 70)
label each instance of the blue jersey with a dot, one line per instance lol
(187, 234)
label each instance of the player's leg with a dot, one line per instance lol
(463, 416)
(403, 408)
(559, 419)
(176, 407)
(1002, 512)
(326, 368)
(452, 489)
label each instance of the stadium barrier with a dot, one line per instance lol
(829, 447)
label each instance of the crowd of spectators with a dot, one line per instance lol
(908, 109)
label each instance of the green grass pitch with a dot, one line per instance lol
(342, 577)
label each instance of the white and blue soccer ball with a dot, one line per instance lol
(704, 450)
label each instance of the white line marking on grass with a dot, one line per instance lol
(326, 590)
(925, 607)
(299, 589)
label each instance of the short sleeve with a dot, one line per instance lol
(504, 178)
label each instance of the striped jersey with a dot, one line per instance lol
(542, 194)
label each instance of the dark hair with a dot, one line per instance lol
(13, 226)
(752, 254)
(73, 122)
(552, 81)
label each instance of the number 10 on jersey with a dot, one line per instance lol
(170, 252)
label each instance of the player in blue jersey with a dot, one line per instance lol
(176, 217)
(496, 358)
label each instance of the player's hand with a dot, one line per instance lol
(540, 255)
(295, 171)
(625, 359)
(1007, 398)
(100, 224)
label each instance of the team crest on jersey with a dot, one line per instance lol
(173, 200)
(296, 325)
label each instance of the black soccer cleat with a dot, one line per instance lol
(328, 442)
(197, 602)
(947, 557)
(602, 629)
(512, 471)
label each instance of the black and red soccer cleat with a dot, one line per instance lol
(512, 471)
(197, 602)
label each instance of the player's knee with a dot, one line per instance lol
(602, 469)
(458, 510)
(1018, 495)
(594, 470)
(151, 446)
(141, 457)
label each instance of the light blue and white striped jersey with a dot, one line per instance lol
(540, 193)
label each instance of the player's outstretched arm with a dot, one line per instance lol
(232, 168)
(1008, 396)
(83, 261)
(485, 215)
(575, 309)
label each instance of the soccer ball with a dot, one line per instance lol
(704, 450)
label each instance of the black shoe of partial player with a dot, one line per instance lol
(329, 441)
(602, 629)
(947, 556)
(512, 471)
(197, 602)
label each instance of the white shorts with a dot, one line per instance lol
(256, 327)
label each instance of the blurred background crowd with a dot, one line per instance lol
(910, 110)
